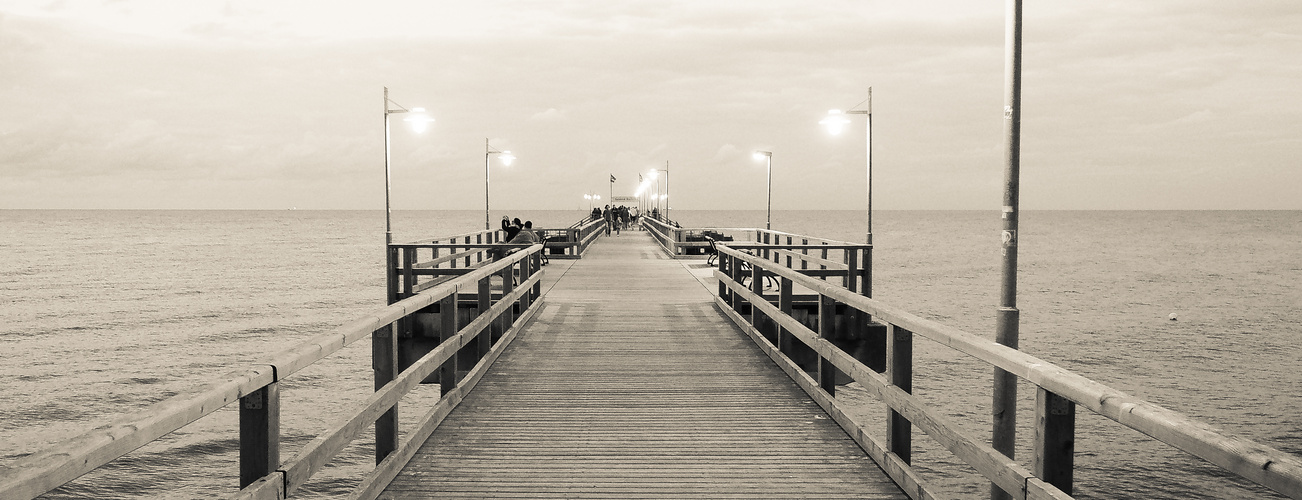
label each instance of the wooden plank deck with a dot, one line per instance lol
(630, 384)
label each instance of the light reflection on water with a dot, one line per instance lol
(109, 312)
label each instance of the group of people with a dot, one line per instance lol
(617, 217)
(516, 233)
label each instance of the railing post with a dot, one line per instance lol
(899, 370)
(1055, 441)
(823, 254)
(391, 273)
(757, 287)
(735, 271)
(536, 268)
(784, 305)
(479, 240)
(467, 249)
(485, 302)
(788, 255)
(804, 264)
(508, 316)
(826, 329)
(447, 329)
(723, 269)
(384, 360)
(525, 270)
(408, 279)
(259, 433)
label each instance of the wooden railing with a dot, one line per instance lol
(451, 256)
(470, 321)
(810, 353)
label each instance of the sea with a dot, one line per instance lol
(103, 313)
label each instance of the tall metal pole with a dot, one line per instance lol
(870, 167)
(487, 149)
(666, 189)
(1004, 405)
(388, 226)
(768, 222)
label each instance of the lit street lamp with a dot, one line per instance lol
(506, 157)
(835, 123)
(655, 175)
(419, 121)
(767, 156)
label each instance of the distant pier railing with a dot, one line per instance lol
(808, 323)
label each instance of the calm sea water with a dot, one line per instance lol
(106, 312)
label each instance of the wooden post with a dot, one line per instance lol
(447, 329)
(784, 304)
(804, 264)
(391, 273)
(485, 302)
(823, 254)
(436, 254)
(788, 255)
(467, 249)
(899, 369)
(524, 272)
(1055, 441)
(735, 270)
(508, 316)
(479, 240)
(826, 329)
(408, 279)
(723, 287)
(537, 267)
(384, 360)
(757, 287)
(259, 433)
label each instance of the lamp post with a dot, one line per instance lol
(419, 121)
(1004, 404)
(767, 156)
(506, 157)
(655, 176)
(835, 123)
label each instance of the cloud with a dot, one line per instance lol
(550, 115)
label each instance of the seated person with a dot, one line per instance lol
(525, 235)
(512, 228)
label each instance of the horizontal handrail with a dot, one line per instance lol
(1256, 462)
(43, 471)
(313, 456)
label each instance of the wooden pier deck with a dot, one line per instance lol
(629, 383)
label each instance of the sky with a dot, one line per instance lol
(276, 104)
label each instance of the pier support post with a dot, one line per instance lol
(384, 360)
(485, 301)
(259, 433)
(826, 328)
(447, 329)
(1055, 441)
(784, 304)
(899, 369)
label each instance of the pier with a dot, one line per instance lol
(629, 383)
(630, 366)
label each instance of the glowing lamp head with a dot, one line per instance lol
(506, 158)
(762, 155)
(835, 121)
(654, 174)
(418, 119)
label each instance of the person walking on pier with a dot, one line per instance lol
(610, 221)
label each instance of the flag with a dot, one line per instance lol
(639, 178)
(612, 177)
